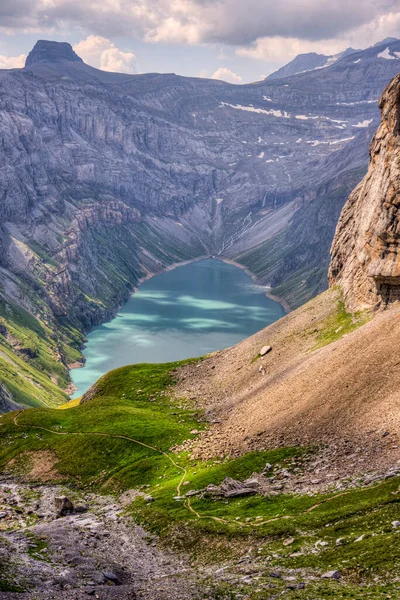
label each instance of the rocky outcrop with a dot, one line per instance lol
(46, 51)
(7, 403)
(366, 248)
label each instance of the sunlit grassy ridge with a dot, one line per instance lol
(134, 402)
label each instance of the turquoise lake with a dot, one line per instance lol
(186, 312)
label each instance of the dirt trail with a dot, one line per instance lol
(187, 501)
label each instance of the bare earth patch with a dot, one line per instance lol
(36, 466)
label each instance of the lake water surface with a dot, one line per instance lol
(189, 311)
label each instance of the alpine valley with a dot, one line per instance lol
(106, 177)
(267, 469)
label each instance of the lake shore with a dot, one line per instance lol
(280, 301)
(79, 364)
(169, 268)
(228, 261)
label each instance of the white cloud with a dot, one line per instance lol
(278, 49)
(12, 62)
(259, 29)
(226, 75)
(203, 21)
(102, 53)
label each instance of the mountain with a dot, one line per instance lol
(54, 52)
(387, 40)
(309, 62)
(105, 177)
(268, 467)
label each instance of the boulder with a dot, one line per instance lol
(288, 542)
(231, 488)
(265, 350)
(395, 524)
(192, 493)
(242, 492)
(63, 505)
(267, 467)
(331, 575)
(112, 577)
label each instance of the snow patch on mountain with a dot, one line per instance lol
(389, 55)
(364, 123)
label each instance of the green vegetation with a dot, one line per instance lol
(30, 366)
(122, 438)
(340, 324)
(42, 253)
(37, 547)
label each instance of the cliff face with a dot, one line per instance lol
(366, 247)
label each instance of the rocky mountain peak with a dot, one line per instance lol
(366, 248)
(387, 40)
(54, 52)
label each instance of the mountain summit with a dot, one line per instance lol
(54, 52)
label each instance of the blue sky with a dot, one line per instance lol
(228, 39)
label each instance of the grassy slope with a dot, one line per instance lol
(134, 402)
(35, 345)
(30, 353)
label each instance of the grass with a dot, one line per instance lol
(31, 354)
(135, 402)
(70, 404)
(339, 324)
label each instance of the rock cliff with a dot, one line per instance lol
(366, 247)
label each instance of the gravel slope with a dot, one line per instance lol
(343, 396)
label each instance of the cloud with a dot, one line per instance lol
(201, 21)
(278, 49)
(12, 62)
(226, 75)
(102, 53)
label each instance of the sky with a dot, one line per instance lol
(235, 40)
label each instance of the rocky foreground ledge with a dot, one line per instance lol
(85, 548)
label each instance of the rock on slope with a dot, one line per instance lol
(366, 247)
(316, 386)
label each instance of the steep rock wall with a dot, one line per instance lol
(366, 248)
